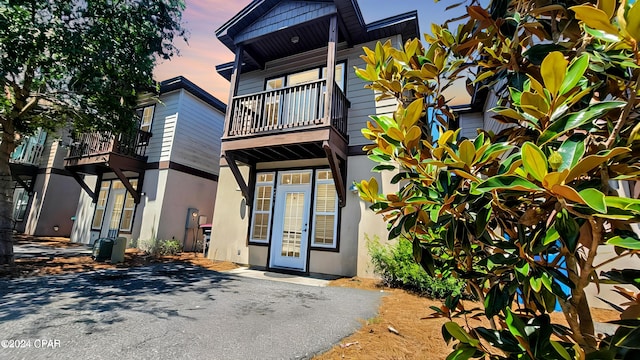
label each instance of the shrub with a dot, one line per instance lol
(170, 247)
(155, 247)
(397, 267)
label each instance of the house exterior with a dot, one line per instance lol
(45, 195)
(158, 182)
(292, 146)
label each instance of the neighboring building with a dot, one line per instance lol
(292, 145)
(159, 182)
(45, 195)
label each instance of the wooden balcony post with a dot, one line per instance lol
(331, 67)
(233, 90)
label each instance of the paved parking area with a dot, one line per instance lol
(174, 311)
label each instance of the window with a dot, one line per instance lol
(325, 224)
(20, 200)
(101, 205)
(146, 118)
(129, 208)
(339, 76)
(261, 222)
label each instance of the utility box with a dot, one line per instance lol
(119, 247)
(102, 249)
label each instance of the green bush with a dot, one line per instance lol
(398, 269)
(170, 247)
(155, 247)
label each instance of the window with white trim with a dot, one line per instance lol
(146, 118)
(325, 215)
(101, 205)
(261, 220)
(128, 209)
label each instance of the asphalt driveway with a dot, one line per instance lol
(174, 311)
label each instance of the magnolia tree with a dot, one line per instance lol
(75, 63)
(519, 214)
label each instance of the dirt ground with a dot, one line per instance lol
(417, 337)
(45, 265)
(401, 330)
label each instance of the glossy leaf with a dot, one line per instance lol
(594, 18)
(575, 120)
(413, 113)
(459, 334)
(626, 242)
(592, 161)
(633, 21)
(534, 161)
(594, 199)
(506, 182)
(572, 150)
(574, 73)
(553, 69)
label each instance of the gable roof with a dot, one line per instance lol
(266, 29)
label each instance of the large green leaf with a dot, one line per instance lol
(571, 150)
(534, 161)
(595, 199)
(507, 182)
(574, 73)
(496, 300)
(459, 334)
(577, 119)
(626, 242)
(515, 325)
(592, 161)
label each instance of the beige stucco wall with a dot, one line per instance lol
(230, 220)
(81, 230)
(182, 192)
(606, 291)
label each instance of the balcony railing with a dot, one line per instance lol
(29, 155)
(293, 107)
(90, 144)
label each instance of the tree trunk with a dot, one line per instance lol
(7, 145)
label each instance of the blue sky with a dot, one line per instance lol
(202, 17)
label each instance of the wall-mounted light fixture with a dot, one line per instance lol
(295, 39)
(353, 188)
(56, 228)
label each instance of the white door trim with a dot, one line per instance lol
(291, 224)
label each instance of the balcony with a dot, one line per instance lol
(105, 152)
(106, 143)
(287, 123)
(28, 154)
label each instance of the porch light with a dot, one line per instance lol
(353, 188)
(56, 228)
(295, 39)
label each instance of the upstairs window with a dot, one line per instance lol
(146, 117)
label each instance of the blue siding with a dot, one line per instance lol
(285, 14)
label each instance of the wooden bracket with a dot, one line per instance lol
(93, 193)
(338, 169)
(125, 181)
(233, 165)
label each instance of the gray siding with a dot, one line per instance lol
(285, 14)
(469, 123)
(165, 116)
(197, 134)
(362, 100)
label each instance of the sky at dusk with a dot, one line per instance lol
(199, 57)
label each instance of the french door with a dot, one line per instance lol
(290, 236)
